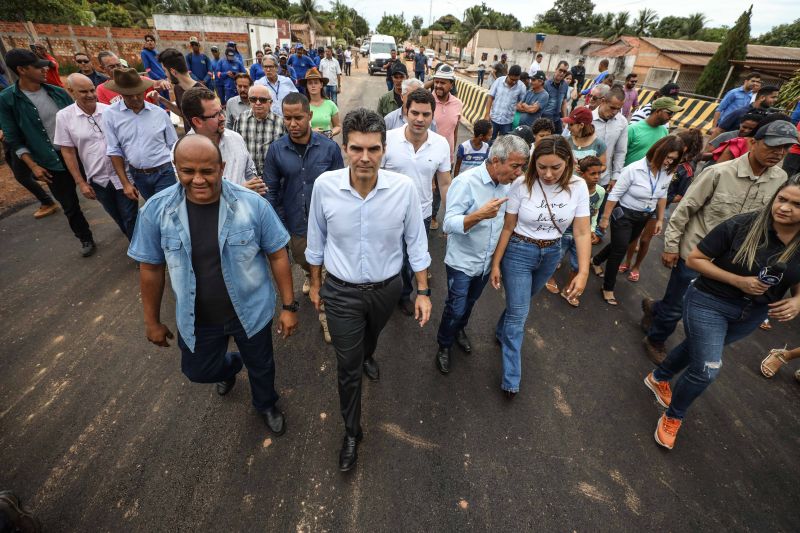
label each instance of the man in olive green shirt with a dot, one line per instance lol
(745, 184)
(393, 99)
(644, 134)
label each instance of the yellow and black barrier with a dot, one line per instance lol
(474, 100)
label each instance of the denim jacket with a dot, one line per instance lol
(290, 178)
(248, 229)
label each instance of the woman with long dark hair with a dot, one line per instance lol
(640, 191)
(746, 266)
(541, 206)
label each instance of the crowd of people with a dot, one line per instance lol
(257, 182)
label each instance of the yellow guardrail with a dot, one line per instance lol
(696, 113)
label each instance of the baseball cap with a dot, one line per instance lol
(539, 75)
(671, 89)
(193, 40)
(299, 46)
(19, 57)
(778, 133)
(665, 102)
(504, 56)
(524, 132)
(445, 72)
(579, 115)
(582, 60)
(399, 68)
(232, 44)
(215, 48)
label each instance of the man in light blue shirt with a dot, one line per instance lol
(359, 218)
(473, 221)
(501, 104)
(278, 85)
(140, 135)
(556, 107)
(220, 242)
(736, 98)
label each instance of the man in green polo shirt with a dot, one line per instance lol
(644, 134)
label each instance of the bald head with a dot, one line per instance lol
(260, 101)
(82, 91)
(77, 80)
(194, 147)
(199, 165)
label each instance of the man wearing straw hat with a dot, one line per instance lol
(140, 135)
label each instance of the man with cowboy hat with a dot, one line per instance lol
(140, 134)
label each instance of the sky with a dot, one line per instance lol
(766, 13)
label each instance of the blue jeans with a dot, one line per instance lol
(568, 247)
(525, 268)
(710, 323)
(150, 183)
(437, 197)
(500, 129)
(420, 75)
(407, 273)
(121, 208)
(331, 93)
(390, 84)
(211, 362)
(668, 311)
(463, 291)
(480, 78)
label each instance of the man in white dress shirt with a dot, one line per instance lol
(363, 281)
(420, 154)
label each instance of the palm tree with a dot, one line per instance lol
(620, 24)
(644, 22)
(307, 12)
(474, 19)
(141, 10)
(695, 23)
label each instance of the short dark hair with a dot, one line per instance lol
(562, 62)
(295, 98)
(539, 55)
(362, 121)
(766, 90)
(421, 96)
(631, 75)
(104, 54)
(172, 58)
(542, 124)
(588, 162)
(481, 127)
(616, 92)
(149, 36)
(515, 70)
(243, 75)
(192, 103)
(659, 151)
(603, 63)
(753, 76)
(693, 139)
(76, 54)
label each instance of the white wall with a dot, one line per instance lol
(178, 22)
(619, 66)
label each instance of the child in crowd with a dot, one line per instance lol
(473, 152)
(541, 128)
(589, 168)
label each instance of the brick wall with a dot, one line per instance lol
(64, 40)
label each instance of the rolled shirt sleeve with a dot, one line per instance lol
(458, 206)
(113, 146)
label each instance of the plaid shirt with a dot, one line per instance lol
(259, 134)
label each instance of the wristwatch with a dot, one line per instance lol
(293, 307)
(424, 292)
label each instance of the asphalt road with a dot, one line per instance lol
(100, 431)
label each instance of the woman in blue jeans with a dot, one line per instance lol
(541, 206)
(738, 288)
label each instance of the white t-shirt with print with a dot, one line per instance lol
(533, 218)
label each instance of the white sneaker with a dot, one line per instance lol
(307, 285)
(326, 334)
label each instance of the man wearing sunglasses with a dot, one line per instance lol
(644, 134)
(87, 69)
(557, 89)
(79, 133)
(109, 62)
(259, 126)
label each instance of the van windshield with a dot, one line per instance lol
(381, 48)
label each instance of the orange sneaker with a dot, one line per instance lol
(660, 389)
(667, 431)
(45, 210)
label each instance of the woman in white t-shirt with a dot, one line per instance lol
(640, 191)
(541, 206)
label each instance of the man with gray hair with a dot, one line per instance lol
(397, 118)
(473, 221)
(597, 95)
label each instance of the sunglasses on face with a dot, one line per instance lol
(218, 114)
(563, 71)
(260, 99)
(81, 61)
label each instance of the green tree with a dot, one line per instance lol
(669, 27)
(783, 35)
(474, 19)
(733, 47)
(447, 22)
(108, 14)
(141, 10)
(416, 22)
(47, 11)
(790, 93)
(714, 35)
(693, 28)
(394, 25)
(620, 25)
(645, 22)
(360, 26)
(307, 12)
(569, 17)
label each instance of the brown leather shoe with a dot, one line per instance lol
(45, 210)
(647, 314)
(656, 353)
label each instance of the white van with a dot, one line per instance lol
(380, 47)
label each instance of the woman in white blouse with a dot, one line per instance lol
(640, 190)
(541, 205)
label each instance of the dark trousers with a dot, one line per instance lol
(437, 197)
(480, 78)
(24, 176)
(624, 230)
(420, 75)
(355, 319)
(668, 311)
(463, 291)
(211, 362)
(121, 208)
(389, 84)
(500, 129)
(62, 186)
(347, 68)
(149, 183)
(407, 273)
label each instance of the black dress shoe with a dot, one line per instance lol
(443, 360)
(463, 341)
(275, 421)
(224, 387)
(510, 395)
(371, 369)
(87, 248)
(348, 455)
(407, 307)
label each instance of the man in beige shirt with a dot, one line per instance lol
(738, 186)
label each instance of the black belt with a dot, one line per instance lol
(147, 170)
(362, 286)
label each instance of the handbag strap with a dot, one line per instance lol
(547, 203)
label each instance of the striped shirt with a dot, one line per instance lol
(259, 134)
